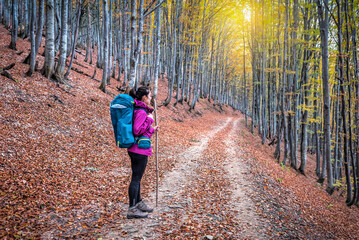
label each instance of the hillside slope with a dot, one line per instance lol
(55, 138)
(63, 177)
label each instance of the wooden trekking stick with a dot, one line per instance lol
(156, 148)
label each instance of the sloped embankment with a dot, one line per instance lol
(57, 152)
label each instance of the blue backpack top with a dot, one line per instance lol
(122, 108)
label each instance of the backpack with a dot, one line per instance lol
(122, 108)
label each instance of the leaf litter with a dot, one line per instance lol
(63, 177)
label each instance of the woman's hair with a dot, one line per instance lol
(141, 91)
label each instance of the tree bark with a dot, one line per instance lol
(59, 73)
(324, 29)
(133, 53)
(284, 81)
(356, 78)
(110, 45)
(106, 45)
(347, 60)
(32, 37)
(343, 107)
(49, 63)
(75, 38)
(158, 49)
(14, 24)
(89, 43)
(125, 42)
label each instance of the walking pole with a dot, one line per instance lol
(156, 153)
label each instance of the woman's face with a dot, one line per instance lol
(147, 99)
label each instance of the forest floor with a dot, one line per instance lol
(62, 177)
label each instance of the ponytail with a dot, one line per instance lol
(132, 93)
(141, 91)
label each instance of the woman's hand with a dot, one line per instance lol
(156, 128)
(150, 116)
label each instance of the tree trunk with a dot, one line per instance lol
(88, 49)
(244, 81)
(324, 28)
(199, 59)
(284, 81)
(32, 37)
(70, 29)
(59, 73)
(49, 62)
(106, 45)
(173, 54)
(295, 85)
(75, 38)
(337, 126)
(119, 43)
(26, 19)
(110, 45)
(14, 24)
(125, 42)
(304, 80)
(133, 53)
(343, 107)
(7, 15)
(356, 77)
(347, 56)
(158, 49)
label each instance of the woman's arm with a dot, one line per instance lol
(142, 123)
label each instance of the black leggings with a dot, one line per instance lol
(138, 165)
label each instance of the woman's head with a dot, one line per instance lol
(142, 94)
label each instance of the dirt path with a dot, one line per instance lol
(178, 214)
(241, 188)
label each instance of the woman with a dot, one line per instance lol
(142, 121)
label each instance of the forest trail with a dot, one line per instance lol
(241, 187)
(175, 202)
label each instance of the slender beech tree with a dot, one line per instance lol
(110, 49)
(74, 42)
(32, 37)
(125, 42)
(174, 53)
(353, 29)
(324, 31)
(284, 82)
(133, 53)
(7, 15)
(304, 79)
(39, 29)
(49, 63)
(158, 49)
(347, 76)
(106, 45)
(14, 25)
(89, 29)
(60, 68)
(295, 83)
(343, 106)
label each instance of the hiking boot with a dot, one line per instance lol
(134, 212)
(143, 207)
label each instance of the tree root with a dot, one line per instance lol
(8, 75)
(5, 73)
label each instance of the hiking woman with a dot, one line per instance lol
(142, 121)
